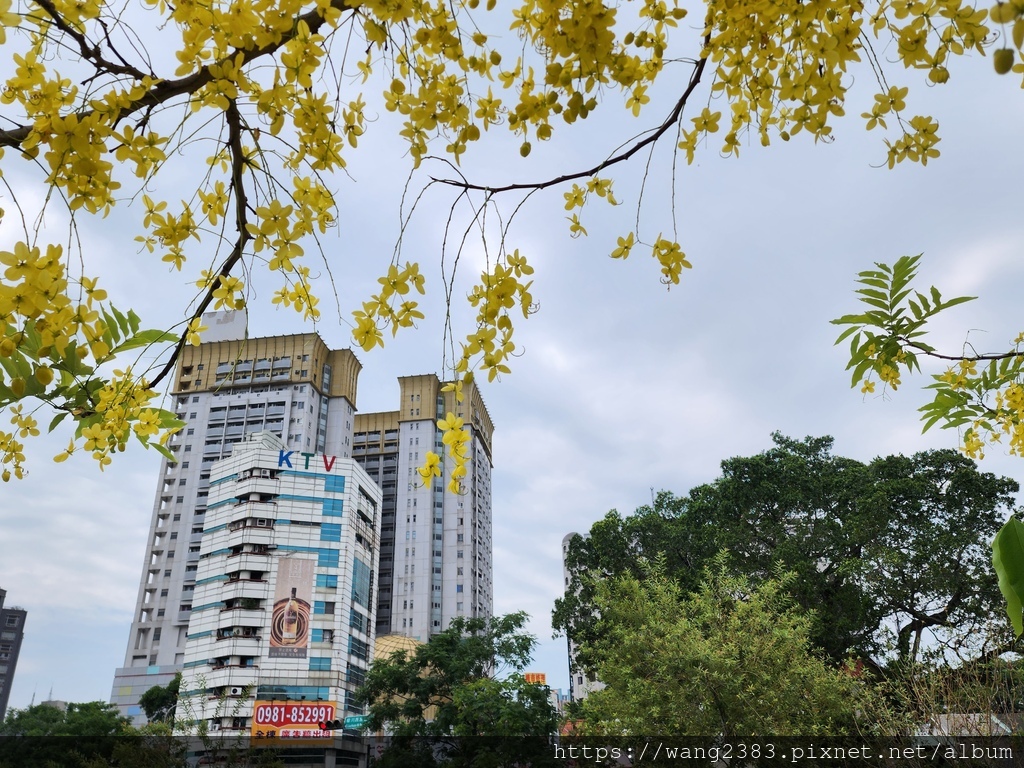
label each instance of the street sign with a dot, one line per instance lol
(356, 721)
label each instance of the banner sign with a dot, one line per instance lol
(291, 721)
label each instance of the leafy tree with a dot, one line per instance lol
(159, 702)
(43, 734)
(730, 660)
(885, 553)
(444, 704)
(259, 102)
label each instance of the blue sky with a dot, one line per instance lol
(622, 386)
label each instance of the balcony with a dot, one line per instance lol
(238, 645)
(248, 561)
(249, 534)
(244, 589)
(244, 616)
(255, 484)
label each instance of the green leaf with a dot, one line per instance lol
(57, 420)
(846, 333)
(850, 320)
(958, 300)
(1008, 559)
(144, 339)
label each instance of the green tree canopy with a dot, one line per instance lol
(160, 701)
(726, 661)
(899, 545)
(460, 699)
(43, 734)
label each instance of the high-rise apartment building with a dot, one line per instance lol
(12, 632)
(304, 393)
(435, 560)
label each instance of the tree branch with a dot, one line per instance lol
(924, 350)
(658, 132)
(90, 52)
(165, 90)
(234, 123)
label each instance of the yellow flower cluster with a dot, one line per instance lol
(121, 409)
(50, 349)
(455, 436)
(388, 309)
(498, 291)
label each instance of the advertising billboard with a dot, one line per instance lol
(289, 624)
(291, 721)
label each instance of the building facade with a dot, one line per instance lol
(283, 611)
(296, 388)
(12, 632)
(435, 544)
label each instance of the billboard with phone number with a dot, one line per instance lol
(291, 721)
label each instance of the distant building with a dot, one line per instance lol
(12, 632)
(580, 683)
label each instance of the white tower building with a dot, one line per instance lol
(281, 628)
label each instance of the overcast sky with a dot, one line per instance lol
(623, 387)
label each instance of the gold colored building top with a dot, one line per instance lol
(294, 359)
(423, 398)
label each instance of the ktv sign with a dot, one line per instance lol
(284, 459)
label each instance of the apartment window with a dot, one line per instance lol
(458, 587)
(12, 621)
(156, 634)
(163, 593)
(458, 571)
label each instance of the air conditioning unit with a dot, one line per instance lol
(235, 691)
(215, 726)
(264, 473)
(262, 522)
